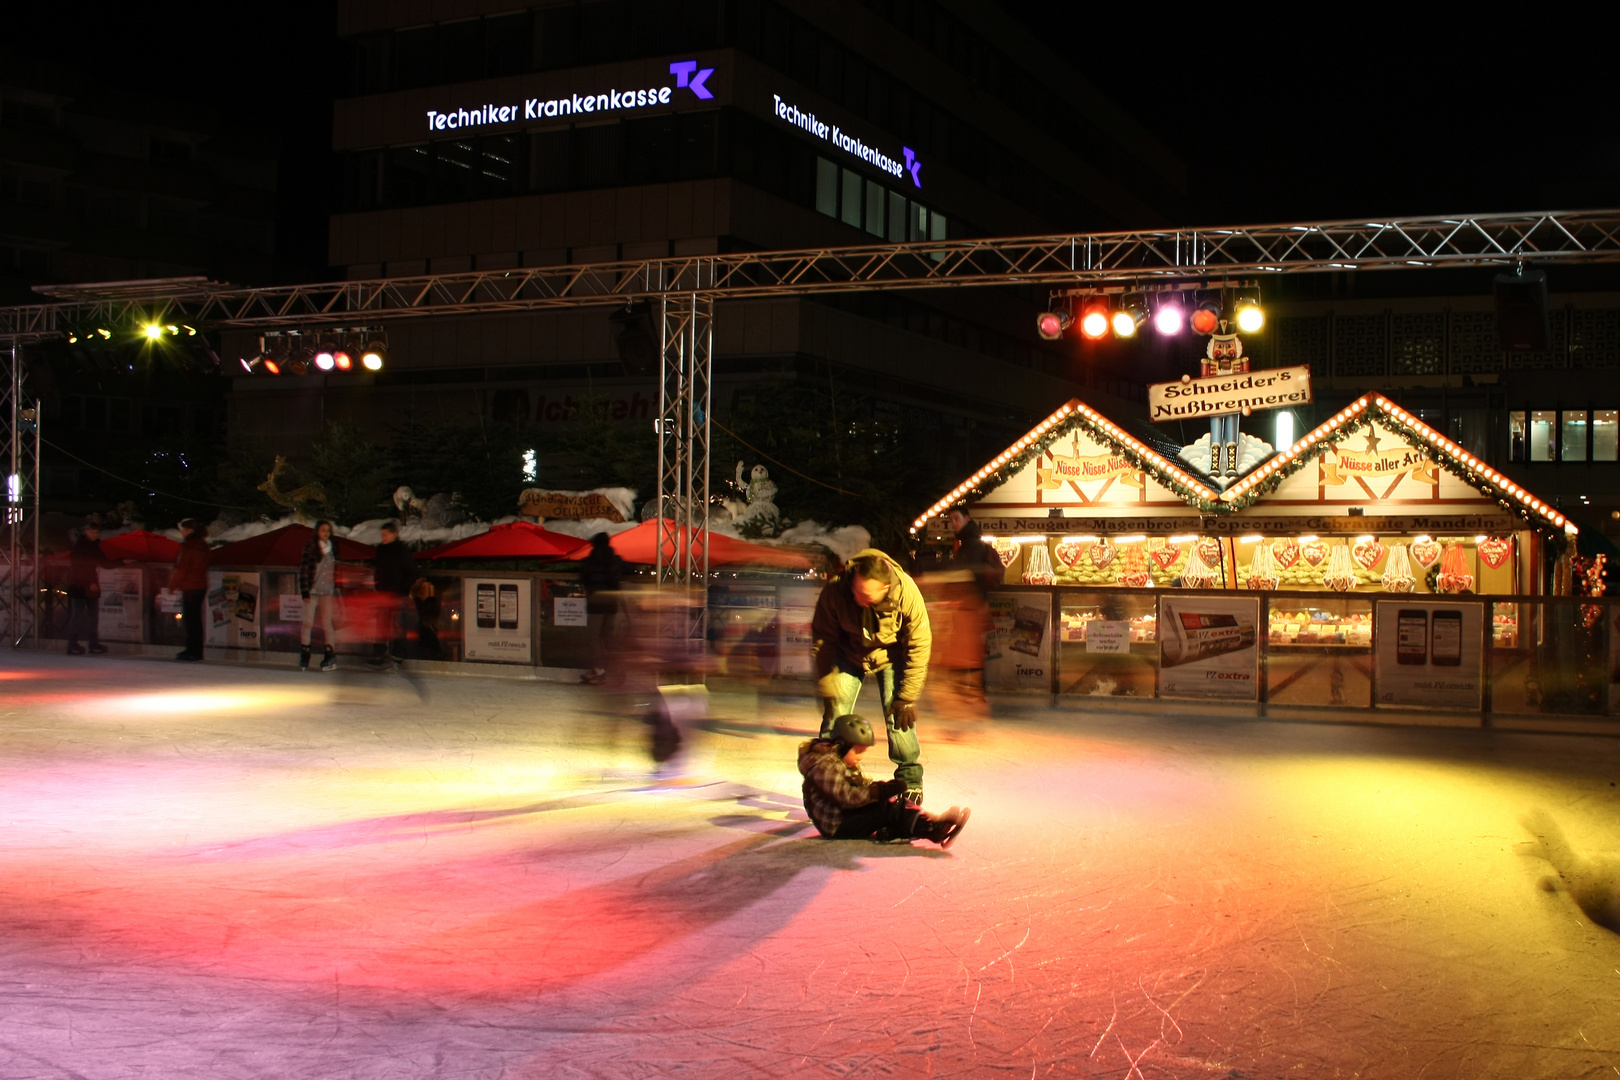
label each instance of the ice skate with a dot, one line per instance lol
(944, 829)
(329, 661)
(303, 658)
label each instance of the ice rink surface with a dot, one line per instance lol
(220, 872)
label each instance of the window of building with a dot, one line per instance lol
(1543, 435)
(1606, 434)
(1518, 436)
(1470, 429)
(826, 187)
(897, 217)
(596, 156)
(851, 202)
(874, 208)
(551, 168)
(1572, 439)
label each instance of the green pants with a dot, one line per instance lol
(903, 748)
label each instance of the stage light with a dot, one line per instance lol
(324, 356)
(1249, 316)
(1206, 317)
(1169, 320)
(1051, 324)
(1130, 316)
(1094, 323)
(249, 365)
(298, 363)
(106, 335)
(271, 366)
(342, 359)
(372, 358)
(153, 331)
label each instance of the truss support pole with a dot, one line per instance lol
(19, 594)
(687, 340)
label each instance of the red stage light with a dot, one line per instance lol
(1051, 324)
(271, 366)
(341, 359)
(1094, 324)
(1206, 318)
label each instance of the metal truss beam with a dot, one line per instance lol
(19, 502)
(1493, 240)
(687, 339)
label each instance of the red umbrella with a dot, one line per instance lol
(517, 540)
(639, 545)
(140, 545)
(283, 547)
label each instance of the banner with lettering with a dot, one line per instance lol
(1085, 470)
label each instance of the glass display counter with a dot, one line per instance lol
(1108, 643)
(1319, 652)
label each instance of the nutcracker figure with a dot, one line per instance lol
(1223, 356)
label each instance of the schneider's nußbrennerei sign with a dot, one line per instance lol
(1190, 399)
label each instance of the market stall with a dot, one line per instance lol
(1373, 503)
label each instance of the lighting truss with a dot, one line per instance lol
(19, 504)
(1494, 240)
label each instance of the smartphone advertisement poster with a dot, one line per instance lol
(498, 628)
(232, 614)
(1430, 653)
(1018, 649)
(1207, 647)
(122, 611)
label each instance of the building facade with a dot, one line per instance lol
(480, 135)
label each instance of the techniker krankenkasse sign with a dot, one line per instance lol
(1193, 399)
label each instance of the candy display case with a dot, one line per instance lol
(1344, 623)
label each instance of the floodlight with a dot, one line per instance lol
(342, 359)
(271, 366)
(1051, 324)
(153, 331)
(1130, 316)
(1169, 319)
(1249, 316)
(324, 356)
(374, 355)
(1206, 318)
(1094, 323)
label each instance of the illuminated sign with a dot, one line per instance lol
(687, 76)
(848, 143)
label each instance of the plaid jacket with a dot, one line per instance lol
(308, 562)
(830, 786)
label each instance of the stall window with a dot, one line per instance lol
(1606, 434)
(1543, 435)
(1572, 441)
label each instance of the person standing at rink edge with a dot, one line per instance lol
(870, 620)
(317, 584)
(190, 579)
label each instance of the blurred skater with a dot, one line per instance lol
(393, 574)
(84, 590)
(190, 579)
(870, 620)
(845, 805)
(600, 573)
(317, 584)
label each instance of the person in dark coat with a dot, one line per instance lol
(84, 590)
(600, 573)
(393, 575)
(190, 579)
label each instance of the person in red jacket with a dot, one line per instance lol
(190, 578)
(845, 805)
(84, 589)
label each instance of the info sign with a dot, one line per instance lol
(1208, 647)
(1429, 652)
(1193, 399)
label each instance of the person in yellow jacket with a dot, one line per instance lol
(870, 620)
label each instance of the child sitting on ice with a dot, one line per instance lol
(845, 805)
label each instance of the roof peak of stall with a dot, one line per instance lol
(1071, 415)
(1326, 436)
(1263, 478)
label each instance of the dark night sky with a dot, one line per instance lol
(1363, 119)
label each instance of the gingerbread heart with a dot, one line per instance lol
(1426, 551)
(1209, 549)
(1006, 551)
(1069, 552)
(1102, 553)
(1314, 552)
(1494, 551)
(1166, 556)
(1286, 552)
(1367, 553)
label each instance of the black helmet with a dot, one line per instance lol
(852, 730)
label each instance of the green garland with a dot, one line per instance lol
(1220, 506)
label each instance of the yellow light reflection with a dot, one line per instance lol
(209, 701)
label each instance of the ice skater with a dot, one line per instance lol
(871, 620)
(845, 805)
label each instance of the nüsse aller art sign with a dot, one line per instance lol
(1192, 399)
